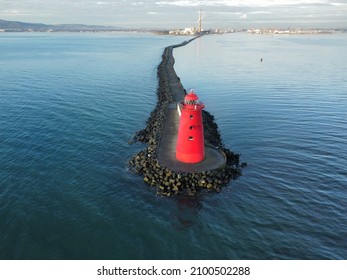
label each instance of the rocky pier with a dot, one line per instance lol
(150, 162)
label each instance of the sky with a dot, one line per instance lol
(181, 13)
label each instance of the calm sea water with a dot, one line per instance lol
(69, 104)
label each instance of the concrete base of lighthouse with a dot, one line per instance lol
(214, 158)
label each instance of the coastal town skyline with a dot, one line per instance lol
(181, 13)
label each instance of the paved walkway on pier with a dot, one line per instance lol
(166, 155)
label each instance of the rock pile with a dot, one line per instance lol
(168, 182)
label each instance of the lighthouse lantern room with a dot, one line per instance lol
(190, 146)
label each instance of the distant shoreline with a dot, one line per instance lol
(166, 33)
(17, 27)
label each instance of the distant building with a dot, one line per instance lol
(200, 22)
(185, 31)
(189, 30)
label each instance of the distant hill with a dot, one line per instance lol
(17, 26)
(21, 26)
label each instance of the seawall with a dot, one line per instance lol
(149, 162)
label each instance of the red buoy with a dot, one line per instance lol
(190, 146)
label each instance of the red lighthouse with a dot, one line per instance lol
(190, 140)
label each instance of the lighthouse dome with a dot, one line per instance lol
(191, 98)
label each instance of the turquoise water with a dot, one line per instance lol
(69, 104)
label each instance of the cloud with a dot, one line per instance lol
(173, 13)
(338, 4)
(137, 3)
(242, 3)
(12, 12)
(260, 12)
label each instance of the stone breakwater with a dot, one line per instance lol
(168, 182)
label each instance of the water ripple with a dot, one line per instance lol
(71, 102)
